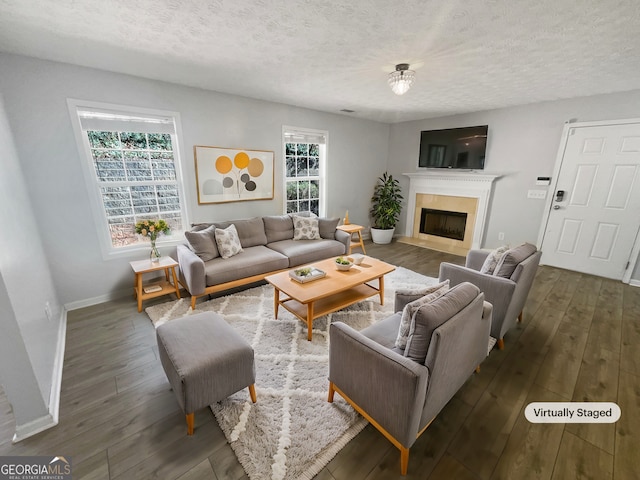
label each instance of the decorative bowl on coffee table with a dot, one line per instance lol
(343, 264)
(356, 258)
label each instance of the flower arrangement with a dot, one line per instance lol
(151, 229)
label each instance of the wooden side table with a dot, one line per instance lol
(352, 228)
(166, 286)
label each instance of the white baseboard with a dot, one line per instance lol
(51, 418)
(634, 283)
(88, 302)
(56, 381)
(34, 426)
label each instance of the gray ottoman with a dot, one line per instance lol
(205, 361)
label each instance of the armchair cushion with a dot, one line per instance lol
(512, 257)
(431, 315)
(426, 295)
(203, 243)
(491, 262)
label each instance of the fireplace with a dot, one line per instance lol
(443, 223)
(459, 204)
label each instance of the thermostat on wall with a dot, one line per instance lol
(543, 181)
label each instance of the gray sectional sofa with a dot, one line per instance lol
(267, 247)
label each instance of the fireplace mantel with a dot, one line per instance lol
(458, 184)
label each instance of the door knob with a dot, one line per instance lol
(556, 207)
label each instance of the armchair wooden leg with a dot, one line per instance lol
(331, 392)
(190, 417)
(404, 460)
(252, 392)
(520, 317)
(193, 302)
(501, 344)
(478, 369)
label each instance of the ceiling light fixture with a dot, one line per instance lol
(401, 80)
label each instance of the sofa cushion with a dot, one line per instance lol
(431, 315)
(228, 241)
(511, 258)
(428, 295)
(203, 243)
(278, 227)
(305, 228)
(491, 262)
(327, 227)
(250, 231)
(301, 252)
(251, 261)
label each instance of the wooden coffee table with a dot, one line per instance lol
(337, 290)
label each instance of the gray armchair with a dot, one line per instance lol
(507, 291)
(401, 392)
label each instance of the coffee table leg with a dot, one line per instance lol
(381, 288)
(276, 302)
(309, 320)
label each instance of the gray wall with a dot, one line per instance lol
(29, 341)
(36, 93)
(522, 145)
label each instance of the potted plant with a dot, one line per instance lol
(386, 205)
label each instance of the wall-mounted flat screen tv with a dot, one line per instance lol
(462, 148)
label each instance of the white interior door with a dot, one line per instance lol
(594, 216)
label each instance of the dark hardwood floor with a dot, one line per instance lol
(579, 341)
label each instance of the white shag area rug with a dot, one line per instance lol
(292, 432)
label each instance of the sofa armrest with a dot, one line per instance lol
(344, 238)
(191, 270)
(391, 388)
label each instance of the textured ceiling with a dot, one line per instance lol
(330, 55)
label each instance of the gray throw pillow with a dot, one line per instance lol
(512, 257)
(228, 241)
(428, 295)
(203, 243)
(305, 228)
(431, 315)
(327, 227)
(492, 260)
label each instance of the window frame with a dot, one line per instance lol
(322, 170)
(94, 185)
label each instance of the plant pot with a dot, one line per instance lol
(382, 236)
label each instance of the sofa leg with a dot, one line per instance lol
(501, 344)
(331, 392)
(190, 417)
(520, 317)
(478, 369)
(404, 460)
(252, 392)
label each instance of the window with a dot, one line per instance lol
(305, 165)
(134, 170)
